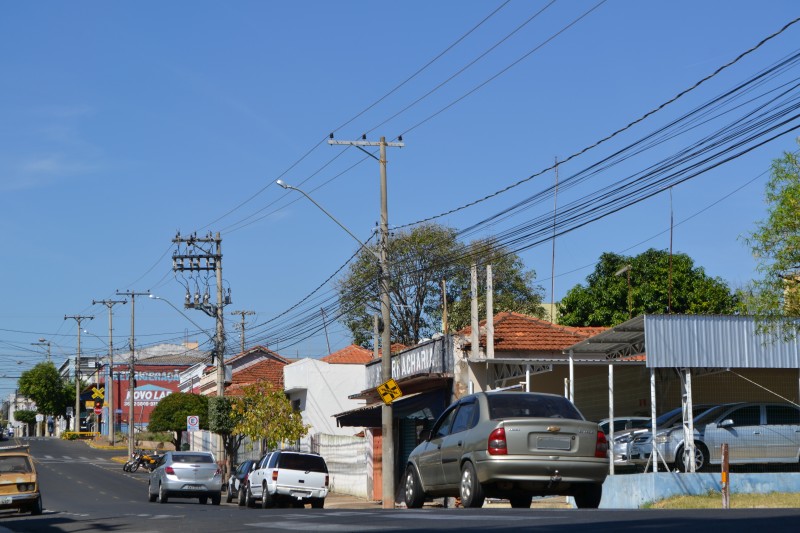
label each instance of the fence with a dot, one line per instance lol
(347, 458)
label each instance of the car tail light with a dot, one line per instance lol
(169, 470)
(218, 472)
(497, 442)
(274, 475)
(601, 448)
(326, 480)
(246, 477)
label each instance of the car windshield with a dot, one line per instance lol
(519, 405)
(17, 464)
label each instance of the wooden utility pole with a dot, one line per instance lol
(132, 369)
(387, 421)
(77, 418)
(109, 394)
(241, 326)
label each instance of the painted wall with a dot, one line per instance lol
(153, 382)
(322, 390)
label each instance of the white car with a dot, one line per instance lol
(288, 477)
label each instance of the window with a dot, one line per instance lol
(442, 427)
(525, 405)
(306, 463)
(783, 415)
(746, 416)
(192, 458)
(15, 464)
(465, 417)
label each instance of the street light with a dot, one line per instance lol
(154, 297)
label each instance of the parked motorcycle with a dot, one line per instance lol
(140, 459)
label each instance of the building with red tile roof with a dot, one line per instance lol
(350, 355)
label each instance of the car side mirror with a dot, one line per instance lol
(725, 423)
(425, 435)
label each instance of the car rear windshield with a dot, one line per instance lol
(531, 406)
(306, 463)
(18, 464)
(192, 458)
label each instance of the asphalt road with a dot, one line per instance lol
(84, 490)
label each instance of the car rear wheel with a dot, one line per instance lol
(203, 500)
(242, 499)
(150, 496)
(267, 499)
(229, 494)
(163, 497)
(36, 508)
(471, 490)
(413, 489)
(588, 497)
(520, 501)
(317, 503)
(216, 499)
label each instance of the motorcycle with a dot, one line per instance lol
(140, 459)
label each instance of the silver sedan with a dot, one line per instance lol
(512, 445)
(186, 475)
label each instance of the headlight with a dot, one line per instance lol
(26, 487)
(662, 439)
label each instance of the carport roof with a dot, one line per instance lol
(693, 341)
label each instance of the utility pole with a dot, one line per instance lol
(325, 326)
(132, 367)
(205, 254)
(43, 342)
(387, 422)
(77, 418)
(242, 314)
(109, 396)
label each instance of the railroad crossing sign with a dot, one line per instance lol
(389, 391)
(98, 393)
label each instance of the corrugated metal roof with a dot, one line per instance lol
(717, 341)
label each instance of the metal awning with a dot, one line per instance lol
(623, 340)
(428, 405)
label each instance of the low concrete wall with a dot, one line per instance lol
(635, 490)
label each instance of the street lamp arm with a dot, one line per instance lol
(154, 297)
(364, 246)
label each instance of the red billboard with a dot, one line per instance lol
(153, 382)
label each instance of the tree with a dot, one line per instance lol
(26, 416)
(171, 411)
(222, 420)
(419, 259)
(775, 298)
(604, 301)
(265, 413)
(47, 389)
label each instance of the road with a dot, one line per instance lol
(84, 490)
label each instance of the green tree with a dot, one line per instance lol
(775, 297)
(604, 301)
(419, 259)
(26, 416)
(171, 411)
(265, 413)
(47, 389)
(222, 420)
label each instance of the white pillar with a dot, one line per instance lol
(571, 376)
(653, 428)
(611, 417)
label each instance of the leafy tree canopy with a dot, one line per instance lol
(419, 259)
(775, 297)
(265, 413)
(222, 420)
(171, 411)
(47, 389)
(604, 301)
(26, 416)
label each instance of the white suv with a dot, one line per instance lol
(288, 477)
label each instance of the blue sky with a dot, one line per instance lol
(123, 123)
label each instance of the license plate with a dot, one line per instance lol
(6, 500)
(553, 443)
(297, 494)
(194, 487)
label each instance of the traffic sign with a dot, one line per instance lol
(98, 393)
(192, 423)
(389, 391)
(98, 409)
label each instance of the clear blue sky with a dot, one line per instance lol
(122, 123)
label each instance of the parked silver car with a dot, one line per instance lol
(754, 432)
(512, 445)
(186, 475)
